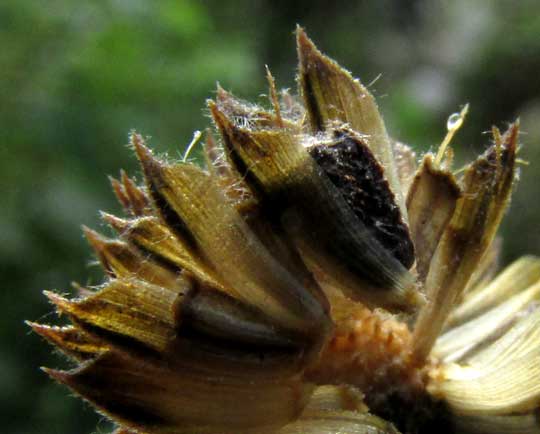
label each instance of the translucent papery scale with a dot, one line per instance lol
(312, 253)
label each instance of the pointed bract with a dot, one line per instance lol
(486, 186)
(431, 201)
(330, 94)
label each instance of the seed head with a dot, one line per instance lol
(314, 277)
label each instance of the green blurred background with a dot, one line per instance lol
(76, 77)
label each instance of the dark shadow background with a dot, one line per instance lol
(76, 77)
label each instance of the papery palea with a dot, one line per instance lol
(314, 277)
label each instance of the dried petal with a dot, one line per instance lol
(491, 323)
(507, 424)
(483, 391)
(334, 422)
(517, 277)
(519, 341)
(335, 410)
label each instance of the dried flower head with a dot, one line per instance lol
(313, 278)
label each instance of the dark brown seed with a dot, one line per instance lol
(353, 169)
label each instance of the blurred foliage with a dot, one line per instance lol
(76, 77)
